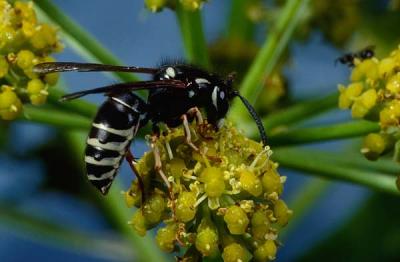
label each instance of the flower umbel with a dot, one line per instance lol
(24, 42)
(225, 195)
(373, 94)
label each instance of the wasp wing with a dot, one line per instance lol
(127, 87)
(53, 67)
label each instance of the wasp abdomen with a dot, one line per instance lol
(113, 129)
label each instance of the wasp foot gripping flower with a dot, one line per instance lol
(24, 42)
(225, 195)
(373, 94)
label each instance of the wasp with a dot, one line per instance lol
(177, 93)
(348, 59)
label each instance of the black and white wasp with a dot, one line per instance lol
(348, 59)
(176, 94)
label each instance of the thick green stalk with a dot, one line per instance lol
(310, 161)
(329, 132)
(357, 160)
(193, 37)
(292, 115)
(78, 106)
(115, 209)
(56, 118)
(79, 39)
(301, 111)
(267, 57)
(239, 24)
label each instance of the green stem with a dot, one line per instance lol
(300, 111)
(193, 37)
(79, 39)
(310, 161)
(114, 207)
(303, 201)
(53, 117)
(356, 160)
(291, 115)
(330, 132)
(268, 55)
(79, 106)
(239, 25)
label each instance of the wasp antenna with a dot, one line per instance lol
(255, 116)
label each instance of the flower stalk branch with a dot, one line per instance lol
(193, 38)
(267, 57)
(310, 161)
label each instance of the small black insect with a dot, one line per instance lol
(176, 94)
(348, 59)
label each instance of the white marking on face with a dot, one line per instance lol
(191, 93)
(201, 81)
(214, 96)
(170, 72)
(106, 175)
(128, 133)
(222, 94)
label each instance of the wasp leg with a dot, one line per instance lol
(195, 111)
(131, 161)
(187, 132)
(158, 168)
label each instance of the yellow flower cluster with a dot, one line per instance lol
(226, 196)
(374, 94)
(158, 5)
(24, 42)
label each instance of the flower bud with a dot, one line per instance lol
(271, 182)
(213, 179)
(373, 146)
(266, 251)
(10, 105)
(236, 220)
(250, 182)
(155, 5)
(207, 242)
(185, 206)
(154, 209)
(282, 212)
(260, 224)
(191, 5)
(166, 237)
(235, 252)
